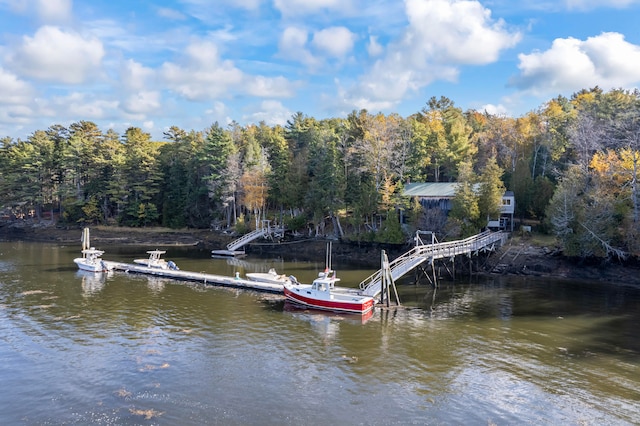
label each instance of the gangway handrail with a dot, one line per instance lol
(419, 254)
(246, 238)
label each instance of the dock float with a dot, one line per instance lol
(211, 279)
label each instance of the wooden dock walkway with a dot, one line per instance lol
(211, 279)
(371, 286)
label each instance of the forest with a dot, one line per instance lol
(572, 165)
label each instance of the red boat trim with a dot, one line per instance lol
(356, 307)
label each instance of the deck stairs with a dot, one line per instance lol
(421, 253)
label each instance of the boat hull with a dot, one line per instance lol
(99, 266)
(267, 278)
(357, 304)
(148, 264)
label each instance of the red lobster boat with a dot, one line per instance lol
(322, 294)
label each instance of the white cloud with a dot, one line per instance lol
(593, 4)
(247, 4)
(13, 90)
(570, 64)
(202, 75)
(47, 11)
(53, 54)
(53, 11)
(135, 76)
(268, 87)
(16, 6)
(334, 41)
(374, 48)
(75, 106)
(172, 14)
(13, 114)
(218, 109)
(80, 106)
(142, 102)
(271, 112)
(442, 35)
(16, 97)
(499, 109)
(456, 32)
(293, 46)
(306, 7)
(200, 5)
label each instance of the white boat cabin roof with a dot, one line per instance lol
(155, 254)
(93, 251)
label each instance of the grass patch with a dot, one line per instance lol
(534, 239)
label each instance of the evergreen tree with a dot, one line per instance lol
(142, 177)
(491, 191)
(464, 218)
(216, 153)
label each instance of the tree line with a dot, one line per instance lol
(572, 165)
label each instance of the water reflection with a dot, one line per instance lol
(157, 284)
(92, 282)
(328, 317)
(114, 348)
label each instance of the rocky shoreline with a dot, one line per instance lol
(519, 256)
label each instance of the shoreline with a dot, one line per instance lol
(518, 257)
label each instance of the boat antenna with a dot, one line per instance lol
(328, 257)
(85, 239)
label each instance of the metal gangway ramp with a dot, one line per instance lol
(265, 230)
(247, 238)
(421, 253)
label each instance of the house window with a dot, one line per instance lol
(506, 201)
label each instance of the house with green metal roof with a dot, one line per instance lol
(439, 195)
(432, 195)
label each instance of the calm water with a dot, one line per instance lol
(126, 349)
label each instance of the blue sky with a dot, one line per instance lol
(190, 63)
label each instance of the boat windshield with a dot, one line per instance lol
(319, 285)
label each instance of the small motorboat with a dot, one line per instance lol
(271, 277)
(91, 260)
(322, 294)
(155, 261)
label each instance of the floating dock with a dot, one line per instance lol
(211, 279)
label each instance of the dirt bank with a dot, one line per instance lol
(43, 232)
(519, 256)
(525, 256)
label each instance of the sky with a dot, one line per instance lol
(154, 64)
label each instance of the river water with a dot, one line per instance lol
(83, 349)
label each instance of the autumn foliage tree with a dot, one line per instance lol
(572, 165)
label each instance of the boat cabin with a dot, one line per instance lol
(325, 281)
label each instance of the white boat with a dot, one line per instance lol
(91, 259)
(155, 261)
(322, 294)
(268, 277)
